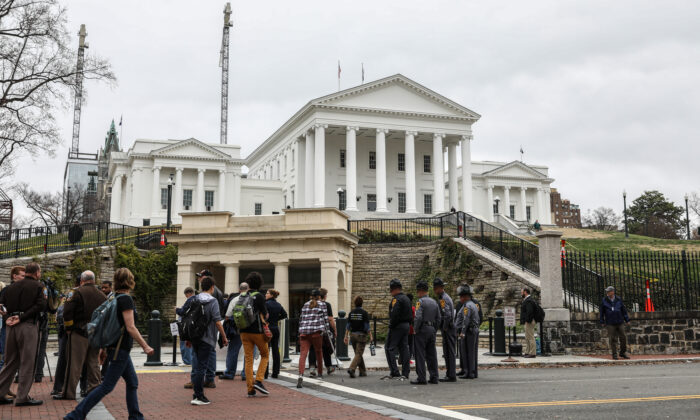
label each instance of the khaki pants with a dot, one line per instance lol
(79, 353)
(21, 345)
(358, 341)
(615, 331)
(531, 346)
(250, 341)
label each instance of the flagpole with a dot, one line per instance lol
(121, 129)
(338, 75)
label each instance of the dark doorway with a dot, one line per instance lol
(301, 281)
(268, 275)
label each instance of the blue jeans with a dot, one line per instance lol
(211, 365)
(202, 350)
(234, 347)
(121, 367)
(186, 353)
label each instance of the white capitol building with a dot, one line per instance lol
(374, 150)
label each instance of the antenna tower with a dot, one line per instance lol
(78, 90)
(223, 63)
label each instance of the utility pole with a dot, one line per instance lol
(223, 63)
(78, 90)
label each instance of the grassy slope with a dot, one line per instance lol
(592, 240)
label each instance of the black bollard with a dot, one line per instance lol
(341, 324)
(490, 335)
(154, 339)
(499, 333)
(286, 358)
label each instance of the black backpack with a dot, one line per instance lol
(539, 313)
(194, 322)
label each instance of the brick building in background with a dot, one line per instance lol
(564, 214)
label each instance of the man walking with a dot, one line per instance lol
(528, 309)
(24, 300)
(447, 329)
(77, 312)
(425, 324)
(400, 315)
(612, 315)
(234, 336)
(468, 321)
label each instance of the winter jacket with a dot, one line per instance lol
(613, 312)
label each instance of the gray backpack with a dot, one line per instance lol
(104, 329)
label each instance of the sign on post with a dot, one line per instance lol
(509, 315)
(173, 329)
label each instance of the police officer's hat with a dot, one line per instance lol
(422, 286)
(395, 284)
(464, 290)
(438, 282)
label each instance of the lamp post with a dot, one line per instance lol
(624, 203)
(497, 200)
(687, 218)
(340, 193)
(170, 197)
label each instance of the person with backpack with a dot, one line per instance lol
(185, 351)
(250, 314)
(312, 324)
(233, 335)
(529, 311)
(276, 314)
(204, 318)
(121, 306)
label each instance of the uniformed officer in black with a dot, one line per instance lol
(425, 325)
(400, 314)
(468, 332)
(447, 329)
(458, 326)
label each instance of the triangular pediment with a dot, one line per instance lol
(515, 169)
(191, 149)
(396, 93)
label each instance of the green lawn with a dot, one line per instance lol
(596, 240)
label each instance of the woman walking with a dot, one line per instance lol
(275, 313)
(120, 364)
(312, 324)
(358, 334)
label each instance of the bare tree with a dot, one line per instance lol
(54, 209)
(602, 218)
(37, 75)
(694, 203)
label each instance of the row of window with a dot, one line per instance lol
(427, 163)
(372, 202)
(511, 211)
(187, 199)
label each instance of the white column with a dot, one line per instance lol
(438, 174)
(309, 170)
(506, 201)
(381, 169)
(329, 281)
(299, 187)
(155, 204)
(466, 174)
(540, 205)
(548, 206)
(282, 283)
(231, 279)
(185, 278)
(221, 200)
(523, 203)
(199, 204)
(410, 155)
(116, 203)
(452, 174)
(489, 204)
(320, 165)
(351, 168)
(236, 209)
(177, 200)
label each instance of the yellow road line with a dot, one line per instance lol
(572, 402)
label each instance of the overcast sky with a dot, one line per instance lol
(606, 94)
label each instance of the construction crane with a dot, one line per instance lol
(78, 90)
(223, 63)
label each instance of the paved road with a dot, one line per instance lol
(611, 392)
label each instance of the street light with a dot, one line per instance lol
(687, 218)
(624, 201)
(340, 193)
(170, 197)
(497, 200)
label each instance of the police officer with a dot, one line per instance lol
(400, 315)
(458, 326)
(447, 329)
(425, 324)
(469, 332)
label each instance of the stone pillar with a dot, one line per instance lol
(381, 169)
(185, 278)
(452, 174)
(221, 200)
(309, 170)
(299, 190)
(329, 280)
(547, 206)
(236, 192)
(177, 199)
(282, 283)
(199, 196)
(438, 174)
(320, 165)
(155, 202)
(136, 201)
(523, 203)
(351, 168)
(231, 279)
(506, 201)
(540, 205)
(410, 160)
(466, 174)
(116, 200)
(557, 317)
(489, 204)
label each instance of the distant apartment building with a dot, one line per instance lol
(564, 214)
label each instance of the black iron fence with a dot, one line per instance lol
(460, 225)
(673, 279)
(46, 239)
